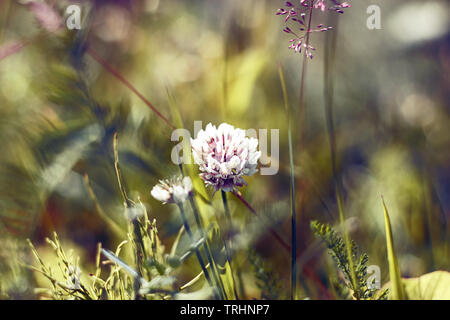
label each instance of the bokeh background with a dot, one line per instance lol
(217, 61)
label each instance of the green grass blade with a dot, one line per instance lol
(394, 271)
(292, 189)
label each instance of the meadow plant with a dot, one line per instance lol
(298, 18)
(174, 190)
(336, 248)
(224, 155)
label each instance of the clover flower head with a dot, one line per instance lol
(174, 190)
(224, 155)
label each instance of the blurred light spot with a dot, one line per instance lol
(72, 186)
(15, 88)
(186, 33)
(152, 5)
(114, 23)
(181, 68)
(418, 110)
(352, 224)
(14, 77)
(412, 266)
(419, 21)
(211, 45)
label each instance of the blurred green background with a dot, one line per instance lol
(218, 60)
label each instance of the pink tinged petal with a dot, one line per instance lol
(47, 17)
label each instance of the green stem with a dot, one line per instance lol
(197, 252)
(330, 51)
(211, 261)
(301, 110)
(302, 105)
(227, 248)
(209, 256)
(292, 191)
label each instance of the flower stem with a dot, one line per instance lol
(197, 252)
(227, 248)
(301, 101)
(211, 261)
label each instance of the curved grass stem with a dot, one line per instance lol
(207, 249)
(197, 252)
(292, 190)
(330, 53)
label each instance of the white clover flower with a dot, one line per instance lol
(174, 190)
(224, 156)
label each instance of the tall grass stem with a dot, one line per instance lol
(292, 190)
(330, 54)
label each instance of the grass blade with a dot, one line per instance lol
(394, 271)
(292, 187)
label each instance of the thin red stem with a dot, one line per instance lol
(115, 73)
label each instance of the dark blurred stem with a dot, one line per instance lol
(211, 261)
(330, 54)
(293, 221)
(301, 102)
(228, 229)
(292, 191)
(302, 115)
(197, 252)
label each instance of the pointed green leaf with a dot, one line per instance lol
(394, 271)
